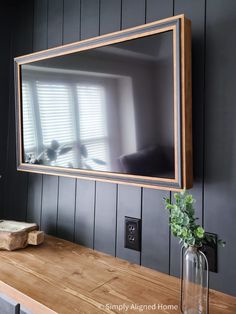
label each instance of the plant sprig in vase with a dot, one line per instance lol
(183, 222)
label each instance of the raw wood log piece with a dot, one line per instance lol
(17, 235)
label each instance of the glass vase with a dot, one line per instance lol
(194, 281)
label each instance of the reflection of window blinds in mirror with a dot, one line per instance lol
(56, 117)
(29, 135)
(93, 124)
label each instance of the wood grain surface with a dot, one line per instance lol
(69, 278)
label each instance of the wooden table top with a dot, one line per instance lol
(68, 278)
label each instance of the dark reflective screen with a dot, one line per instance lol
(104, 109)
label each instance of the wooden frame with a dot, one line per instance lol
(181, 28)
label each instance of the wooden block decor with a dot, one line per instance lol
(17, 235)
(35, 237)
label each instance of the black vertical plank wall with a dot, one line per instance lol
(92, 213)
(155, 228)
(71, 21)
(195, 11)
(89, 18)
(35, 182)
(84, 215)
(5, 34)
(16, 184)
(49, 183)
(106, 194)
(220, 144)
(129, 198)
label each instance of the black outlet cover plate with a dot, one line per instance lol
(210, 250)
(133, 233)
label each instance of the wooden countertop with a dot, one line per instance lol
(67, 278)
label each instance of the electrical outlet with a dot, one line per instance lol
(210, 250)
(133, 233)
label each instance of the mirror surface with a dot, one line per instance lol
(106, 109)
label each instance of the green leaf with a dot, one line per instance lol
(182, 220)
(166, 200)
(199, 232)
(176, 196)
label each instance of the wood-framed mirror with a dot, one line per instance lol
(114, 108)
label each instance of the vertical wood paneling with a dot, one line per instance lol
(55, 22)
(71, 22)
(84, 193)
(105, 203)
(129, 197)
(15, 190)
(133, 13)
(84, 219)
(194, 10)
(155, 227)
(49, 204)
(105, 218)
(66, 208)
(158, 9)
(66, 186)
(34, 205)
(110, 16)
(23, 32)
(6, 55)
(35, 181)
(49, 183)
(220, 144)
(40, 25)
(89, 18)
(155, 231)
(129, 204)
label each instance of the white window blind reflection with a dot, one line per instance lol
(29, 132)
(56, 117)
(71, 113)
(93, 124)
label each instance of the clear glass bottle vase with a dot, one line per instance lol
(194, 281)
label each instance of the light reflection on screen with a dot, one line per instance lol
(107, 109)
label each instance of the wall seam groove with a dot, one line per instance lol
(41, 205)
(12, 47)
(141, 217)
(99, 17)
(33, 22)
(204, 120)
(63, 22)
(58, 182)
(94, 212)
(27, 197)
(169, 266)
(121, 14)
(145, 14)
(75, 207)
(47, 23)
(116, 219)
(171, 195)
(80, 15)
